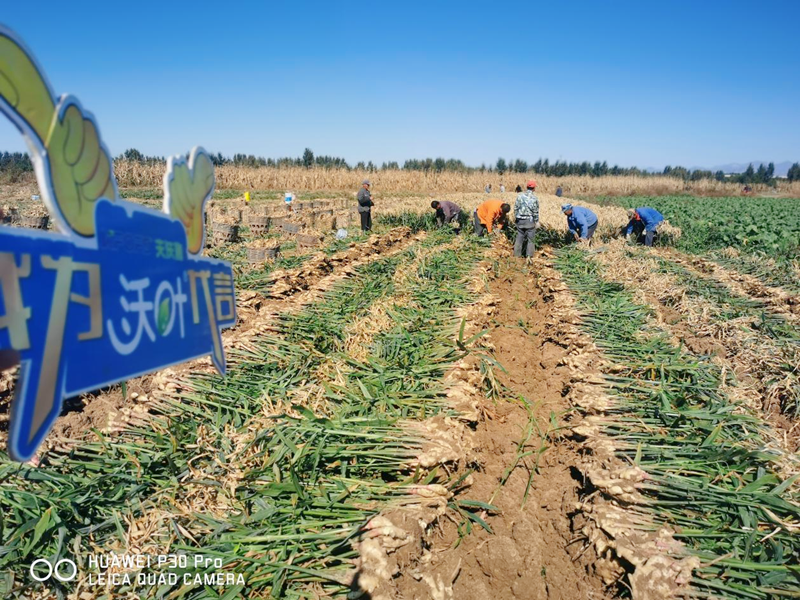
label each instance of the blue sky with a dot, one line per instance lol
(633, 83)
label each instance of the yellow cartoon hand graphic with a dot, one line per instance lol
(187, 187)
(76, 165)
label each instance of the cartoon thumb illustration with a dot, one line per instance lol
(187, 187)
(66, 149)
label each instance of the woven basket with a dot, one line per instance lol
(224, 233)
(34, 222)
(12, 216)
(259, 224)
(291, 227)
(256, 255)
(307, 240)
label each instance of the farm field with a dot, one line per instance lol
(417, 414)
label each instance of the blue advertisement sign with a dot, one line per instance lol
(122, 290)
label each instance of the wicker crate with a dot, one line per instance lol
(291, 227)
(224, 233)
(256, 255)
(306, 240)
(34, 222)
(259, 224)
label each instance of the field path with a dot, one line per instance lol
(534, 552)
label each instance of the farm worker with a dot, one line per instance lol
(559, 191)
(502, 189)
(446, 211)
(643, 219)
(518, 189)
(488, 188)
(490, 214)
(581, 221)
(526, 215)
(365, 205)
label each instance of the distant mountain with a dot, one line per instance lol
(781, 169)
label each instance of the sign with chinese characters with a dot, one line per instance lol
(121, 290)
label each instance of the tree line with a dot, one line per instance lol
(15, 163)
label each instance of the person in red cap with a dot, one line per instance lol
(526, 215)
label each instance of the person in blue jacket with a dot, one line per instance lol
(581, 221)
(644, 223)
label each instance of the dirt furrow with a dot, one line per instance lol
(516, 459)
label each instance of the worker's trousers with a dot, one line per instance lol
(643, 236)
(526, 233)
(366, 220)
(480, 228)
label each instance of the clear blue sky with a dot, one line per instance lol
(635, 83)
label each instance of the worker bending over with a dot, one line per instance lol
(446, 212)
(526, 217)
(490, 215)
(581, 221)
(644, 222)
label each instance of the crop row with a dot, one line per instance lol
(233, 469)
(711, 478)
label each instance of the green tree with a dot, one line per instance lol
(133, 154)
(794, 172)
(501, 166)
(749, 175)
(308, 158)
(719, 176)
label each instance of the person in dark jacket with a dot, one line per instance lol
(644, 222)
(559, 191)
(518, 188)
(446, 212)
(580, 220)
(365, 205)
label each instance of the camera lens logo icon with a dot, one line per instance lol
(64, 570)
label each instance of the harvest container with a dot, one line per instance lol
(259, 224)
(224, 233)
(35, 222)
(308, 240)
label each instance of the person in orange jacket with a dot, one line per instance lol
(490, 214)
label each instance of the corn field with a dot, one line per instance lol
(132, 174)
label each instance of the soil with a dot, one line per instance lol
(535, 551)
